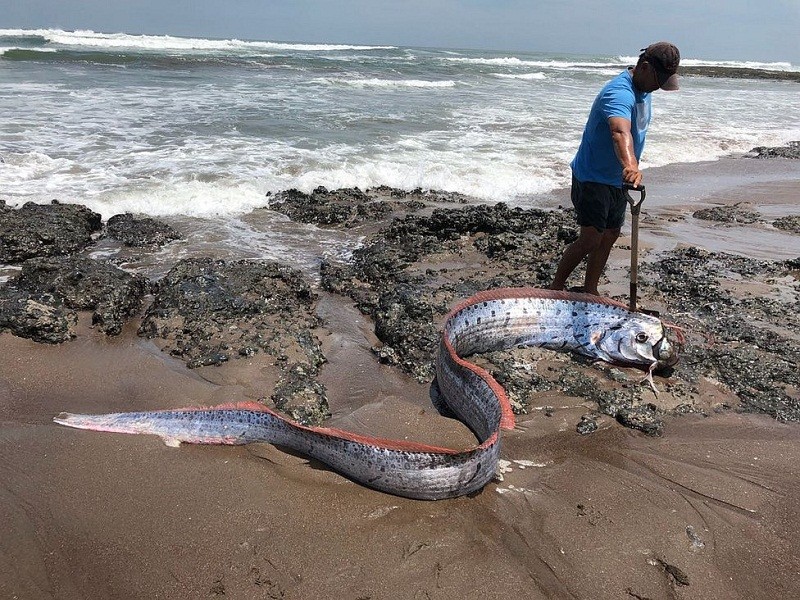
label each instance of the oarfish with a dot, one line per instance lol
(492, 320)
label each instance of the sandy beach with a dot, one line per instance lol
(706, 510)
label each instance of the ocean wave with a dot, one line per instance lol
(508, 60)
(25, 51)
(512, 61)
(164, 140)
(118, 58)
(523, 76)
(727, 64)
(386, 83)
(191, 198)
(87, 38)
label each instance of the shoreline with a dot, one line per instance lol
(706, 510)
(677, 190)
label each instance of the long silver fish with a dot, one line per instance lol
(491, 320)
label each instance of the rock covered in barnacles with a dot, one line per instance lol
(349, 206)
(140, 231)
(55, 287)
(41, 318)
(208, 312)
(39, 230)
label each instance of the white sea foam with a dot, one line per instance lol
(507, 60)
(215, 143)
(192, 198)
(512, 61)
(730, 64)
(87, 38)
(523, 76)
(385, 83)
(5, 49)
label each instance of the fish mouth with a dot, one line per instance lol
(665, 353)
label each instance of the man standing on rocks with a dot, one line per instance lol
(608, 156)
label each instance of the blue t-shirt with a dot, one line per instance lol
(596, 160)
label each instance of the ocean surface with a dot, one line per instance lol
(199, 127)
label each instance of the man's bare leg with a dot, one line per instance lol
(598, 259)
(589, 240)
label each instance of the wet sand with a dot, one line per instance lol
(708, 510)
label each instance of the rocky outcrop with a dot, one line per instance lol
(81, 283)
(45, 230)
(207, 312)
(350, 207)
(140, 231)
(346, 207)
(41, 302)
(755, 351)
(735, 213)
(791, 150)
(41, 318)
(790, 223)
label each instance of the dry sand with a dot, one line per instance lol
(709, 510)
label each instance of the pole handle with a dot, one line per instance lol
(636, 207)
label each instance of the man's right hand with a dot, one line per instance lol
(632, 175)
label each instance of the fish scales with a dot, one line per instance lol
(495, 319)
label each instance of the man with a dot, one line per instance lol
(608, 156)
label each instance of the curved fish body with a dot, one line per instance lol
(395, 466)
(491, 320)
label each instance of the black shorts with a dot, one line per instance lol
(599, 205)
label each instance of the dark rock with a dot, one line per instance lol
(40, 318)
(738, 72)
(347, 207)
(386, 355)
(755, 352)
(789, 223)
(587, 425)
(791, 150)
(405, 322)
(395, 278)
(205, 307)
(419, 198)
(736, 213)
(350, 207)
(84, 284)
(207, 360)
(140, 231)
(300, 396)
(517, 236)
(520, 384)
(645, 418)
(207, 312)
(45, 230)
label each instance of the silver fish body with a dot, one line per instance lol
(491, 320)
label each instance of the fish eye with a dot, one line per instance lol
(641, 337)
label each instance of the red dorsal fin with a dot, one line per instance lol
(244, 405)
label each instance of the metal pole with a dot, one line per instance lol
(635, 210)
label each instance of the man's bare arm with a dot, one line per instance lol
(623, 147)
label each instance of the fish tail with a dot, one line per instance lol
(227, 424)
(114, 422)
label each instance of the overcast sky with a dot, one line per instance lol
(765, 30)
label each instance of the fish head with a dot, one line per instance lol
(638, 339)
